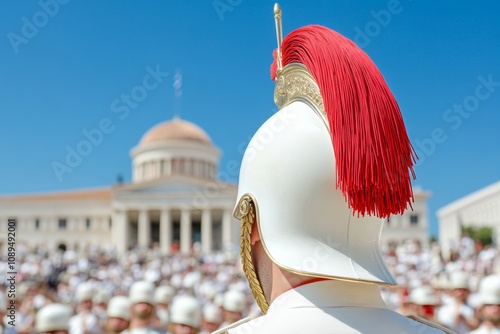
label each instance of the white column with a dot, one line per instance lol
(206, 231)
(185, 231)
(168, 166)
(158, 168)
(226, 228)
(144, 229)
(165, 231)
(119, 231)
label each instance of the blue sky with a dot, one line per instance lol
(67, 64)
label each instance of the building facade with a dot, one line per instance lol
(411, 225)
(174, 200)
(478, 209)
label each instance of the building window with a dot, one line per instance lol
(37, 224)
(413, 219)
(62, 223)
(110, 222)
(87, 223)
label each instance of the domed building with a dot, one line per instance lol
(175, 200)
(175, 147)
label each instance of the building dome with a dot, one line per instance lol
(175, 147)
(175, 129)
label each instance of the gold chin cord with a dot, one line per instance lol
(246, 212)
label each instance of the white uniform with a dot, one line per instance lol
(143, 330)
(486, 330)
(331, 307)
(84, 323)
(447, 314)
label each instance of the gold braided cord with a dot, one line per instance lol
(246, 209)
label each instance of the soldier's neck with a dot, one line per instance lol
(284, 280)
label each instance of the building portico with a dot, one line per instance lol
(175, 228)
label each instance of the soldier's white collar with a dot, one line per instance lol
(330, 293)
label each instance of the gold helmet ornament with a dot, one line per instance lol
(320, 176)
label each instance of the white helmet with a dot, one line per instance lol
(212, 313)
(320, 176)
(423, 295)
(119, 307)
(186, 310)
(219, 299)
(85, 292)
(52, 317)
(459, 280)
(234, 300)
(441, 281)
(489, 290)
(142, 292)
(102, 296)
(164, 294)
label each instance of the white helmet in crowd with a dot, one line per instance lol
(142, 292)
(186, 310)
(85, 292)
(52, 317)
(119, 307)
(441, 281)
(102, 296)
(212, 313)
(234, 301)
(423, 295)
(164, 294)
(219, 299)
(320, 176)
(459, 280)
(489, 290)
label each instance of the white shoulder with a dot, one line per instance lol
(226, 329)
(431, 324)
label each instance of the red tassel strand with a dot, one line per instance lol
(373, 153)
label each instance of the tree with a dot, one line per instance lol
(483, 234)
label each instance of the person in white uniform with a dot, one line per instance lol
(142, 309)
(117, 315)
(489, 308)
(163, 297)
(316, 182)
(185, 315)
(211, 319)
(456, 314)
(234, 303)
(424, 302)
(85, 321)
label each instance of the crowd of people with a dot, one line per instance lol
(99, 292)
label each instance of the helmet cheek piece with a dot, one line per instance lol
(247, 212)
